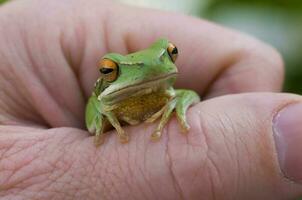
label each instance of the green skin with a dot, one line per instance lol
(140, 73)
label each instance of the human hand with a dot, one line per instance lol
(48, 56)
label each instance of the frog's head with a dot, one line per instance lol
(152, 68)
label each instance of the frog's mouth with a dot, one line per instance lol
(117, 94)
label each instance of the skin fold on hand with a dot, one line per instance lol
(48, 56)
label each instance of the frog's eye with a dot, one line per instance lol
(108, 70)
(173, 52)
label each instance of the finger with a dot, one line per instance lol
(48, 67)
(238, 149)
(213, 60)
(37, 84)
(226, 155)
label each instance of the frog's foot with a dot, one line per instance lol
(123, 137)
(156, 115)
(184, 126)
(185, 98)
(156, 135)
(99, 139)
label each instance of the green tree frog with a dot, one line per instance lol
(136, 88)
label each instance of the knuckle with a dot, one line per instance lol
(262, 62)
(278, 65)
(268, 62)
(274, 62)
(205, 163)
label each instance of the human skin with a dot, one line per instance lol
(48, 56)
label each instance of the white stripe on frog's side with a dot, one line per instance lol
(132, 63)
(162, 53)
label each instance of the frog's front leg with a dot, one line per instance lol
(170, 92)
(185, 98)
(123, 137)
(164, 119)
(182, 100)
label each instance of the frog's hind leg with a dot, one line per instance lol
(185, 98)
(94, 120)
(164, 119)
(99, 132)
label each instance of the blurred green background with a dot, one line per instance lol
(278, 22)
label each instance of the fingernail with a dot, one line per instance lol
(288, 138)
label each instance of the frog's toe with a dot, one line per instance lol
(91, 130)
(124, 138)
(184, 126)
(99, 140)
(156, 135)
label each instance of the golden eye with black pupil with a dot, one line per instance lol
(173, 51)
(108, 70)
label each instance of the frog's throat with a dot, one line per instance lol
(115, 95)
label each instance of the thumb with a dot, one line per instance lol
(243, 146)
(240, 147)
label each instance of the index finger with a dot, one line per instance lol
(213, 60)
